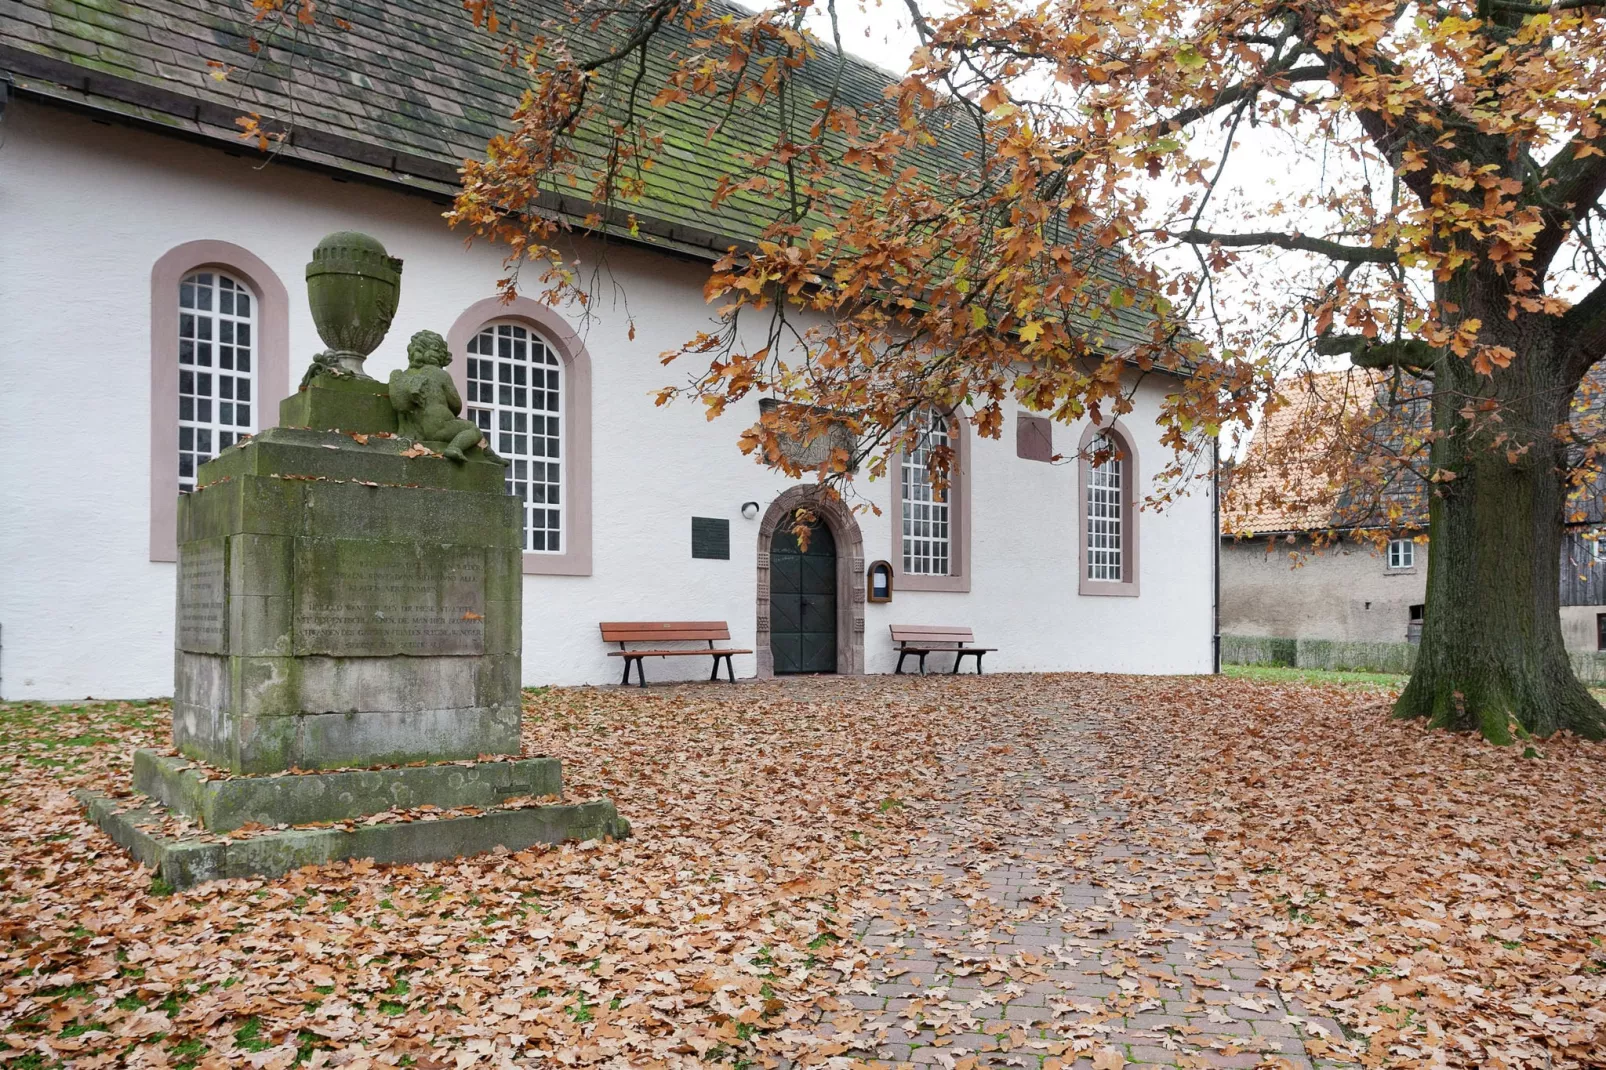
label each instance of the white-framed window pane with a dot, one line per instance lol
(515, 395)
(217, 368)
(1402, 553)
(926, 538)
(1104, 517)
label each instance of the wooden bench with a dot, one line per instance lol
(918, 640)
(659, 631)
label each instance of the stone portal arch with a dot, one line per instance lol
(849, 576)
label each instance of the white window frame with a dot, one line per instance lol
(524, 423)
(1401, 555)
(218, 402)
(926, 535)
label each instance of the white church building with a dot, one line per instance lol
(153, 309)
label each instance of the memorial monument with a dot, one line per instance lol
(348, 628)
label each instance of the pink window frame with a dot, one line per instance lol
(1127, 587)
(575, 560)
(958, 578)
(272, 353)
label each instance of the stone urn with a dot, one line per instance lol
(352, 286)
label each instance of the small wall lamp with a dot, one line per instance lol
(749, 510)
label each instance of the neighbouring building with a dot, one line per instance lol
(1301, 569)
(152, 311)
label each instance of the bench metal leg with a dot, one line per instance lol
(625, 679)
(730, 668)
(641, 674)
(961, 655)
(713, 674)
(901, 655)
(922, 665)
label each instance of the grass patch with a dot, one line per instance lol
(1279, 674)
(1368, 681)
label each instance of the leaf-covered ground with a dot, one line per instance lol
(1083, 871)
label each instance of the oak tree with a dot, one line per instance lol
(1412, 187)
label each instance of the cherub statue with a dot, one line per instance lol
(427, 403)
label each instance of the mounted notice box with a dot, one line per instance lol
(879, 589)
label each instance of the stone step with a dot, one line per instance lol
(224, 803)
(185, 862)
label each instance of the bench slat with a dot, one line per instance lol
(719, 651)
(662, 631)
(928, 633)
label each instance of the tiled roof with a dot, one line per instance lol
(408, 92)
(1290, 479)
(1285, 481)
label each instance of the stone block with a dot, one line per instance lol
(334, 455)
(496, 681)
(223, 804)
(504, 628)
(361, 405)
(203, 604)
(183, 863)
(504, 571)
(363, 685)
(336, 740)
(419, 514)
(265, 714)
(374, 598)
(260, 625)
(260, 565)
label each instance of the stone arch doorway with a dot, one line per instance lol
(844, 529)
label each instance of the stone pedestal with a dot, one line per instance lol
(342, 604)
(349, 602)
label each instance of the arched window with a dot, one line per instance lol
(217, 368)
(515, 394)
(525, 377)
(925, 513)
(1109, 479)
(1105, 519)
(220, 362)
(930, 535)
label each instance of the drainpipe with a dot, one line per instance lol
(1215, 555)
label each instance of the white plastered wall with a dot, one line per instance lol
(85, 210)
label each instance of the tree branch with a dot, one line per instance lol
(1541, 9)
(1331, 249)
(1582, 330)
(1272, 76)
(1408, 354)
(1570, 185)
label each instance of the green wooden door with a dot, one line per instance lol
(803, 602)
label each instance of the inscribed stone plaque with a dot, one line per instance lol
(202, 590)
(363, 598)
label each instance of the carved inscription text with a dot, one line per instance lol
(201, 592)
(357, 599)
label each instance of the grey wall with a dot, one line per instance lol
(1290, 590)
(1341, 592)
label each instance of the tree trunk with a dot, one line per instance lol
(1492, 657)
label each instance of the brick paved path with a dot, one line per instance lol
(1043, 932)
